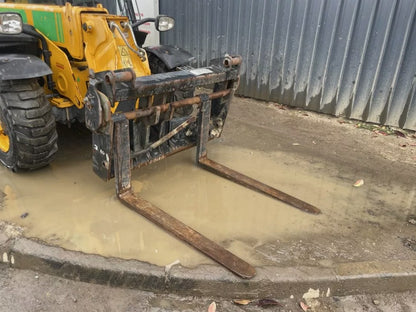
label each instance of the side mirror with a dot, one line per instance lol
(164, 23)
(10, 23)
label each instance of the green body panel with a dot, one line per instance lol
(50, 24)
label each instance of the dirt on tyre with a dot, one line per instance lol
(28, 137)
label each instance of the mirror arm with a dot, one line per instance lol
(143, 21)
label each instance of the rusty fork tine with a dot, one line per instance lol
(232, 175)
(159, 217)
(256, 185)
(187, 234)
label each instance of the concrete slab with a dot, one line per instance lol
(361, 242)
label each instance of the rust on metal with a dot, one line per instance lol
(232, 61)
(177, 104)
(162, 156)
(122, 170)
(166, 137)
(202, 159)
(187, 234)
(157, 132)
(124, 76)
(256, 185)
(172, 82)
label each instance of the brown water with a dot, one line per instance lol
(69, 206)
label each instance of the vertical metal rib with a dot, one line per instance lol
(356, 81)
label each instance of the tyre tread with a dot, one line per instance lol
(33, 123)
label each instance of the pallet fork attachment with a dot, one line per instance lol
(117, 150)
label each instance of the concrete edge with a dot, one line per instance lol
(211, 280)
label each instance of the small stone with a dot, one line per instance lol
(412, 220)
(36, 276)
(376, 302)
(311, 294)
(409, 243)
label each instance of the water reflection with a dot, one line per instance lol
(68, 205)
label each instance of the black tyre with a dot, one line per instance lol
(28, 137)
(157, 67)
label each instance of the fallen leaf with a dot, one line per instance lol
(264, 303)
(381, 132)
(242, 301)
(304, 306)
(212, 307)
(358, 183)
(399, 133)
(279, 106)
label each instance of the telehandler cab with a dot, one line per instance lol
(69, 61)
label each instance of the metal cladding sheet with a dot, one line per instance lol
(352, 58)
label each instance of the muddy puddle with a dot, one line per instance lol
(65, 204)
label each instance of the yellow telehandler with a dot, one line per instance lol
(65, 61)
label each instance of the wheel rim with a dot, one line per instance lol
(4, 140)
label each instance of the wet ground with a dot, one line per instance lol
(310, 156)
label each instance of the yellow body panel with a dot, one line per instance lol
(80, 40)
(106, 50)
(70, 90)
(4, 140)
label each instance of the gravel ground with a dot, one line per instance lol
(33, 292)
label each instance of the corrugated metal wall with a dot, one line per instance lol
(110, 5)
(355, 58)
